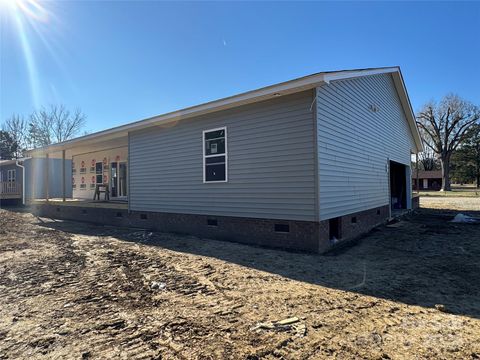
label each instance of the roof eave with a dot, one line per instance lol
(266, 93)
(285, 88)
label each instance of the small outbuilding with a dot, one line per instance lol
(302, 164)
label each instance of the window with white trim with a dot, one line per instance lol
(215, 157)
(11, 175)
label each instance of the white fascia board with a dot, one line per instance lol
(343, 75)
(407, 106)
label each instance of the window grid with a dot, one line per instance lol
(205, 156)
(11, 175)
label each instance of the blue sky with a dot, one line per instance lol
(124, 61)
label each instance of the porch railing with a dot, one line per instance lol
(10, 188)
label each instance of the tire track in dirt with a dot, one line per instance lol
(84, 292)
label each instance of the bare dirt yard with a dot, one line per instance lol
(76, 291)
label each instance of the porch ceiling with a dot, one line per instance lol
(87, 147)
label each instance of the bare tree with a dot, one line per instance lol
(444, 126)
(17, 128)
(8, 146)
(428, 159)
(55, 124)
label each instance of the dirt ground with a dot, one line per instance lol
(77, 291)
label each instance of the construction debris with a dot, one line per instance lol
(287, 324)
(441, 307)
(462, 218)
(288, 321)
(158, 285)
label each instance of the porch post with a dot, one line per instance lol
(63, 176)
(416, 165)
(45, 186)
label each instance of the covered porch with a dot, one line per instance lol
(10, 190)
(84, 166)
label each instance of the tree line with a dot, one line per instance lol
(42, 127)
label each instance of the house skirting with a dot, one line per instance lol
(10, 202)
(306, 236)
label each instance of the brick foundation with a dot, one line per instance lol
(286, 234)
(357, 224)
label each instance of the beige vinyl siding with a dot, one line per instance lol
(271, 167)
(355, 143)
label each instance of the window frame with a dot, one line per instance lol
(99, 174)
(12, 178)
(214, 155)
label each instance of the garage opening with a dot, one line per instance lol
(398, 186)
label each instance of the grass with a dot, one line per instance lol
(457, 191)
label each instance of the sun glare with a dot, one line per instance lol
(27, 18)
(31, 9)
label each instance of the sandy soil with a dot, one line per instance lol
(77, 291)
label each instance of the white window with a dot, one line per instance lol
(215, 155)
(11, 175)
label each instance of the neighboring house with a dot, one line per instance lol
(300, 164)
(427, 179)
(11, 179)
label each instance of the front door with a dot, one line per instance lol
(118, 179)
(122, 179)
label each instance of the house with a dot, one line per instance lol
(427, 179)
(13, 188)
(10, 182)
(302, 164)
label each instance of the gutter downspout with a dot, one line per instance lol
(23, 179)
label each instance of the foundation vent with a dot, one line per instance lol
(283, 228)
(212, 222)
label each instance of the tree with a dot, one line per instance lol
(446, 125)
(17, 128)
(428, 160)
(466, 160)
(8, 146)
(55, 124)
